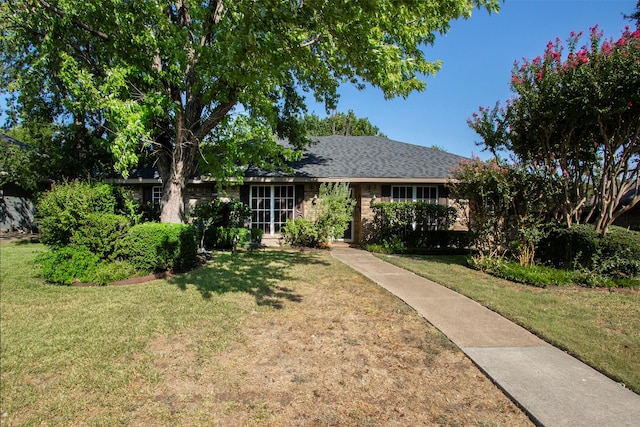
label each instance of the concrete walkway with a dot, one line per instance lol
(554, 388)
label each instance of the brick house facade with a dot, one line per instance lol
(376, 168)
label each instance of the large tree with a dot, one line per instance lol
(347, 124)
(576, 117)
(211, 79)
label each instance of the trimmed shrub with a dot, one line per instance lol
(222, 237)
(100, 232)
(569, 248)
(620, 253)
(63, 209)
(68, 264)
(622, 242)
(440, 239)
(416, 227)
(157, 247)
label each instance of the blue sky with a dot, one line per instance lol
(478, 56)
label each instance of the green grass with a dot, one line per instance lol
(70, 351)
(601, 328)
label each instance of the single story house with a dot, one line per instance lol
(376, 168)
(17, 208)
(631, 218)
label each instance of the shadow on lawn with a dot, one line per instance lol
(258, 273)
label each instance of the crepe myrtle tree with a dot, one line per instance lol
(576, 117)
(180, 77)
(508, 205)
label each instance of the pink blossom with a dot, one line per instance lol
(630, 104)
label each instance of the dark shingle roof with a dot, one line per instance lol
(360, 157)
(8, 140)
(368, 157)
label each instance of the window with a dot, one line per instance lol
(271, 206)
(414, 194)
(156, 195)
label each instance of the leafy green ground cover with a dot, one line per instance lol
(601, 328)
(542, 275)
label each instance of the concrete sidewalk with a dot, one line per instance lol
(554, 388)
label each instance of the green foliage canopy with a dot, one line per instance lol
(167, 74)
(16, 164)
(339, 124)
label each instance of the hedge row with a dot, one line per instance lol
(154, 246)
(108, 253)
(415, 227)
(616, 254)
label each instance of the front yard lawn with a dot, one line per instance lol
(268, 338)
(600, 327)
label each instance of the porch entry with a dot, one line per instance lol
(272, 205)
(350, 232)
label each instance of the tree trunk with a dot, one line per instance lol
(172, 203)
(175, 169)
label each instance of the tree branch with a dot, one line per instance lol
(79, 23)
(217, 115)
(314, 40)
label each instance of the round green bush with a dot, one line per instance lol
(157, 247)
(66, 205)
(576, 246)
(620, 253)
(619, 241)
(301, 232)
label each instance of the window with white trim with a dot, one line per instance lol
(414, 193)
(271, 206)
(156, 195)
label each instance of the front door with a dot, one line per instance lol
(349, 234)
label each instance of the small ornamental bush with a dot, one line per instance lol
(301, 232)
(68, 264)
(620, 253)
(621, 242)
(157, 247)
